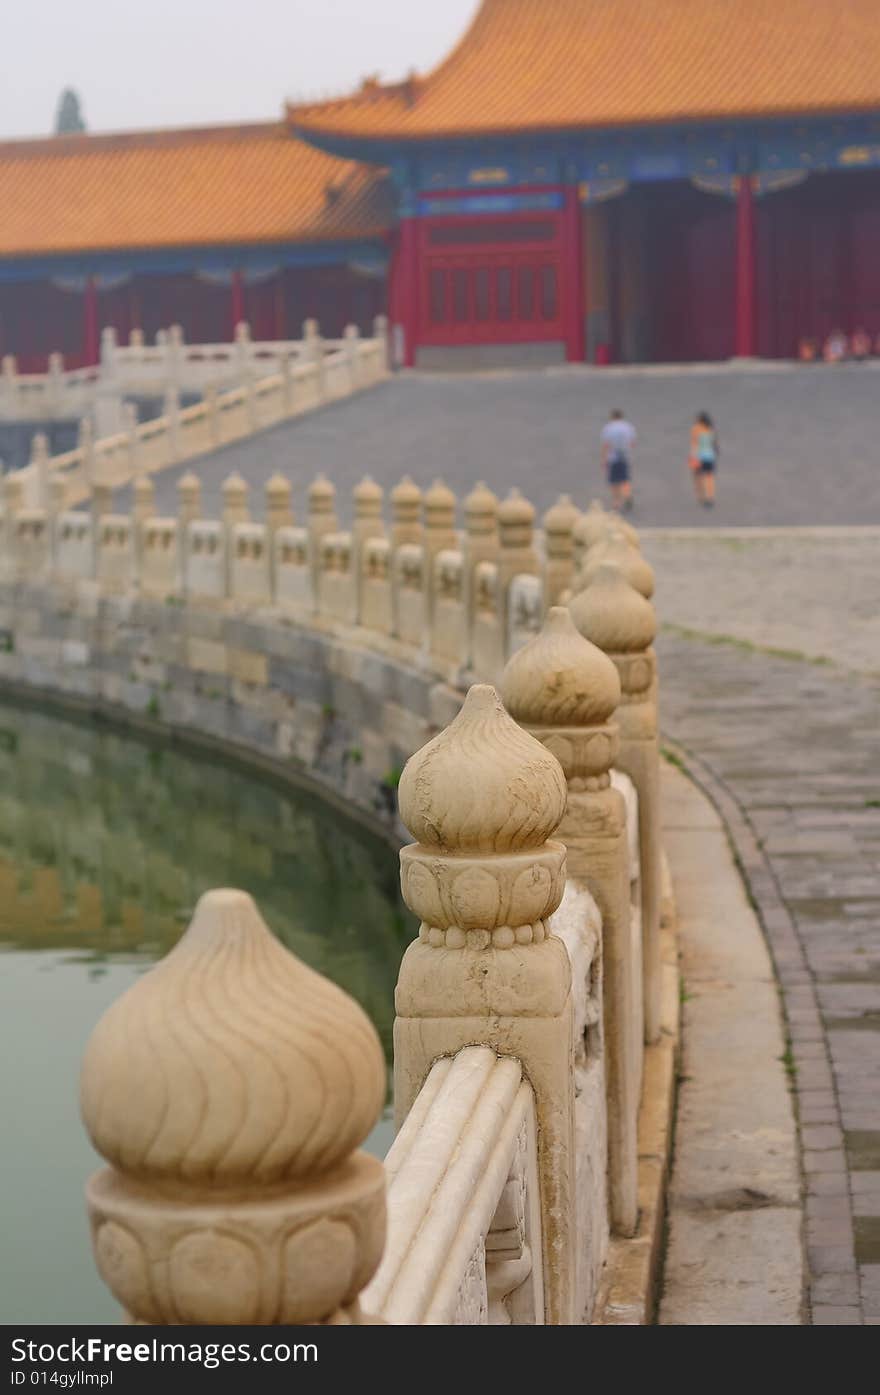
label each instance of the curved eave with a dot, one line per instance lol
(381, 148)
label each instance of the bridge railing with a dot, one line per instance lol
(524, 1006)
(245, 387)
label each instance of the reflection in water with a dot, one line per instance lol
(106, 843)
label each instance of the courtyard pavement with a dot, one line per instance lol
(790, 753)
(797, 444)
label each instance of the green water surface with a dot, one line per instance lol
(106, 842)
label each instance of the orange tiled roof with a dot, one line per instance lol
(556, 64)
(223, 185)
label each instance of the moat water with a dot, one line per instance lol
(106, 843)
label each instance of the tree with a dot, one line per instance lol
(69, 117)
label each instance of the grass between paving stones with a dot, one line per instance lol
(734, 642)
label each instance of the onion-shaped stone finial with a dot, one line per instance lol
(559, 523)
(406, 496)
(483, 785)
(559, 678)
(231, 1063)
(515, 511)
(439, 498)
(367, 498)
(616, 550)
(612, 614)
(278, 488)
(481, 509)
(234, 488)
(322, 495)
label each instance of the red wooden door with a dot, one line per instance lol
(490, 280)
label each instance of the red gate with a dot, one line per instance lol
(491, 280)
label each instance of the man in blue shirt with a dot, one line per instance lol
(618, 438)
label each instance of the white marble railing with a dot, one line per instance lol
(138, 369)
(244, 388)
(524, 1005)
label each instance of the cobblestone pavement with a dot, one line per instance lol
(795, 445)
(811, 592)
(790, 752)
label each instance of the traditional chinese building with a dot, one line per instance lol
(612, 180)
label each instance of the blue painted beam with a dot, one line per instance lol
(173, 261)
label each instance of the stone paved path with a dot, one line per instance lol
(796, 444)
(791, 755)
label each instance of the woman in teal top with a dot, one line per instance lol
(704, 458)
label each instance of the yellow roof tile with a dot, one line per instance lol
(556, 64)
(222, 185)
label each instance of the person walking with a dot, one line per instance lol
(704, 458)
(618, 438)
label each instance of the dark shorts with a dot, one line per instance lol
(618, 470)
(707, 467)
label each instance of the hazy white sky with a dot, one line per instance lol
(197, 62)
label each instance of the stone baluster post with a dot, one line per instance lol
(368, 523)
(481, 544)
(130, 427)
(56, 384)
(440, 534)
(322, 520)
(175, 356)
(352, 338)
(564, 690)
(517, 554)
(279, 493)
(189, 500)
(559, 525)
(242, 352)
(108, 352)
(406, 511)
(235, 500)
(483, 799)
(593, 528)
(613, 615)
(101, 488)
(86, 445)
(171, 411)
(40, 460)
(143, 509)
(235, 1192)
(481, 540)
(313, 352)
(615, 550)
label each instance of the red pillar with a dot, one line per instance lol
(238, 313)
(403, 299)
(572, 288)
(745, 267)
(91, 346)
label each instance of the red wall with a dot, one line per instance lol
(818, 260)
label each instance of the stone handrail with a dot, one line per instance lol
(264, 385)
(464, 1227)
(149, 370)
(532, 984)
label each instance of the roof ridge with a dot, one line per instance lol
(94, 142)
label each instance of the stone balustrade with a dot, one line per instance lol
(524, 1005)
(242, 388)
